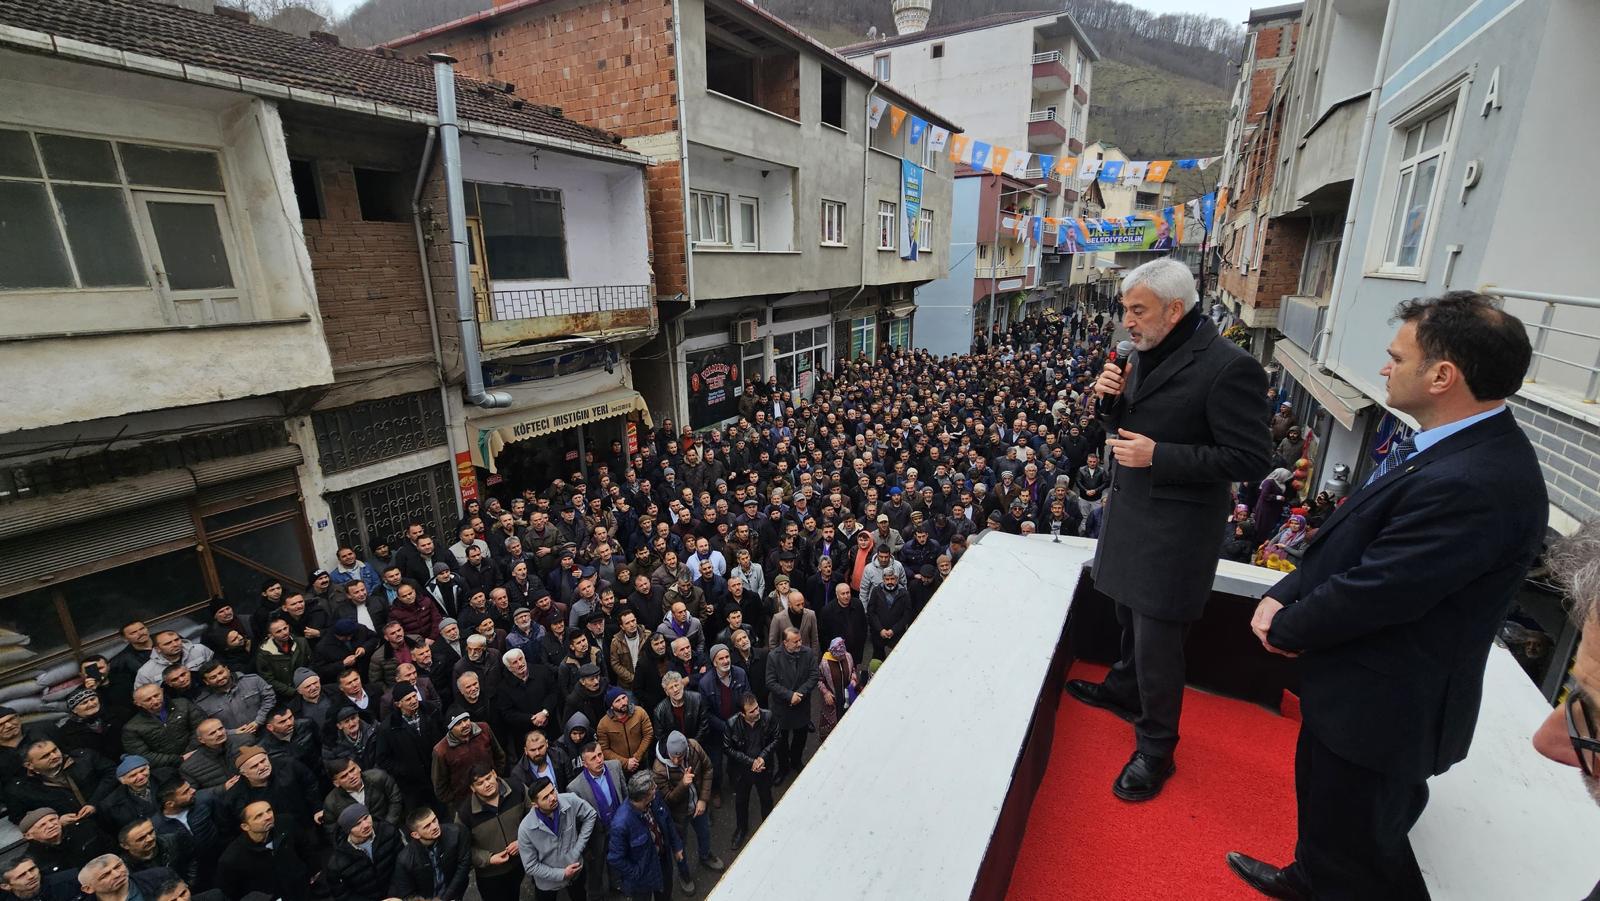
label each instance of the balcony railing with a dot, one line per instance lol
(1017, 271)
(1546, 327)
(1042, 115)
(537, 303)
(1049, 56)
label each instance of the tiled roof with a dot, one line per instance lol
(225, 44)
(486, 18)
(940, 31)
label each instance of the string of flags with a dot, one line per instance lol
(1166, 226)
(1004, 160)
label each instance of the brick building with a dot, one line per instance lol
(774, 208)
(232, 322)
(1260, 254)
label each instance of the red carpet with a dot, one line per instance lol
(1234, 790)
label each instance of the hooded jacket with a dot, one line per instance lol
(565, 743)
(628, 737)
(680, 799)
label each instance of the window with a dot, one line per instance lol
(750, 67)
(1416, 185)
(523, 232)
(925, 230)
(1077, 123)
(749, 223)
(91, 214)
(938, 50)
(375, 430)
(710, 220)
(863, 338)
(379, 511)
(307, 193)
(833, 223)
(1144, 200)
(880, 67)
(799, 358)
(1079, 71)
(930, 159)
(382, 196)
(983, 251)
(887, 226)
(832, 98)
(900, 333)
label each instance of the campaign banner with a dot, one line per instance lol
(1117, 235)
(910, 208)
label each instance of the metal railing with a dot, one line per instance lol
(1042, 115)
(535, 303)
(1545, 326)
(1049, 56)
(1001, 272)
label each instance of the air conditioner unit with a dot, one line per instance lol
(744, 330)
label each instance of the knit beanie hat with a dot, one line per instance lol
(301, 674)
(677, 743)
(350, 816)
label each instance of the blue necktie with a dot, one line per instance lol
(1404, 448)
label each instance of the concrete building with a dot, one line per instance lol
(1260, 250)
(234, 338)
(1017, 80)
(775, 209)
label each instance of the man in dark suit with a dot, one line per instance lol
(1397, 599)
(1182, 423)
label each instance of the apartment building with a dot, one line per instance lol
(234, 337)
(1417, 142)
(1018, 80)
(776, 208)
(1260, 252)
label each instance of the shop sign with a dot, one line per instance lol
(633, 438)
(466, 477)
(555, 422)
(712, 380)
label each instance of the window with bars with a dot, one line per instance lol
(357, 435)
(381, 510)
(833, 223)
(886, 225)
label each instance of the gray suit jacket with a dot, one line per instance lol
(1159, 541)
(619, 784)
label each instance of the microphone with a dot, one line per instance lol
(1122, 353)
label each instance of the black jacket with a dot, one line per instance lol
(1202, 407)
(353, 876)
(849, 623)
(93, 775)
(516, 700)
(280, 871)
(744, 742)
(695, 719)
(881, 614)
(407, 753)
(413, 869)
(1399, 596)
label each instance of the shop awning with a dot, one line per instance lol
(495, 432)
(1341, 399)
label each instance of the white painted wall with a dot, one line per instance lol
(710, 171)
(67, 379)
(602, 208)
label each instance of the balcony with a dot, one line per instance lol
(1045, 131)
(1080, 94)
(1018, 271)
(1074, 146)
(1049, 75)
(534, 314)
(1041, 179)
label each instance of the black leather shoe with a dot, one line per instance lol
(738, 839)
(1095, 695)
(1143, 777)
(1266, 878)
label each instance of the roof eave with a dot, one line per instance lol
(30, 41)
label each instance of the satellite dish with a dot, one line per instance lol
(872, 32)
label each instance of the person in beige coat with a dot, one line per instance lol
(625, 733)
(795, 616)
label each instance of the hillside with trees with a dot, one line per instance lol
(1161, 89)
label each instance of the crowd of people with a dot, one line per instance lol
(578, 677)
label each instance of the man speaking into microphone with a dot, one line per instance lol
(1183, 419)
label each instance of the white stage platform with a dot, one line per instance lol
(904, 798)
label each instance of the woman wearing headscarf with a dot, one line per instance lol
(837, 682)
(1269, 506)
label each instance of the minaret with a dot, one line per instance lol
(911, 16)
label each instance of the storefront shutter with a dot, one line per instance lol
(68, 553)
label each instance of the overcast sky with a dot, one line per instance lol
(1232, 10)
